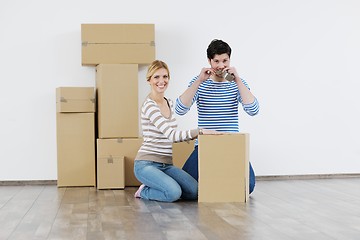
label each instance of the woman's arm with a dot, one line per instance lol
(152, 112)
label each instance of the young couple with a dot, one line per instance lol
(217, 90)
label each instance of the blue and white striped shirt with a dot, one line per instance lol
(217, 105)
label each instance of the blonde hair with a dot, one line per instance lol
(154, 66)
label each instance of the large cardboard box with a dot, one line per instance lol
(181, 152)
(75, 99)
(117, 100)
(117, 43)
(127, 147)
(224, 168)
(75, 149)
(110, 171)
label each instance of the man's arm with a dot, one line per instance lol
(248, 100)
(246, 95)
(187, 97)
(184, 102)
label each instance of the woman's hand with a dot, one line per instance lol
(210, 132)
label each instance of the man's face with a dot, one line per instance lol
(220, 62)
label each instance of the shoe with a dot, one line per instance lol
(137, 194)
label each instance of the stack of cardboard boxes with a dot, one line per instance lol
(75, 118)
(115, 50)
(118, 124)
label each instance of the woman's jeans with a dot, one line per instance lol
(191, 167)
(165, 182)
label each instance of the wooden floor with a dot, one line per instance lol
(290, 209)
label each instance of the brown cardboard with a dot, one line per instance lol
(127, 147)
(75, 149)
(117, 43)
(181, 152)
(224, 168)
(117, 100)
(110, 171)
(75, 99)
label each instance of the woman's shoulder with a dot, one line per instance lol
(148, 102)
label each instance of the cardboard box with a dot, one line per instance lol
(181, 152)
(117, 100)
(75, 149)
(117, 43)
(224, 168)
(127, 147)
(110, 171)
(75, 99)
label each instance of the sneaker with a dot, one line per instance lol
(137, 194)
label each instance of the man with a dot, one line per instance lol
(217, 91)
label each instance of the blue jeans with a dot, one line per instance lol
(191, 167)
(165, 182)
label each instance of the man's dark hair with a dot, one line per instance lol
(218, 47)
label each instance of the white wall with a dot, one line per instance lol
(301, 59)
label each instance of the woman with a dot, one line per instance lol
(161, 180)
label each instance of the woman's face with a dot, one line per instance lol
(159, 81)
(220, 62)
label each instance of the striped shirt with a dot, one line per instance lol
(217, 105)
(159, 133)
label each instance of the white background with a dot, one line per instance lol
(300, 58)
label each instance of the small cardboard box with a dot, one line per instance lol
(181, 152)
(117, 100)
(117, 43)
(224, 168)
(75, 99)
(75, 149)
(127, 147)
(110, 171)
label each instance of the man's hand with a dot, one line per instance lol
(232, 71)
(205, 74)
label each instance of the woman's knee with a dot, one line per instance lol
(173, 194)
